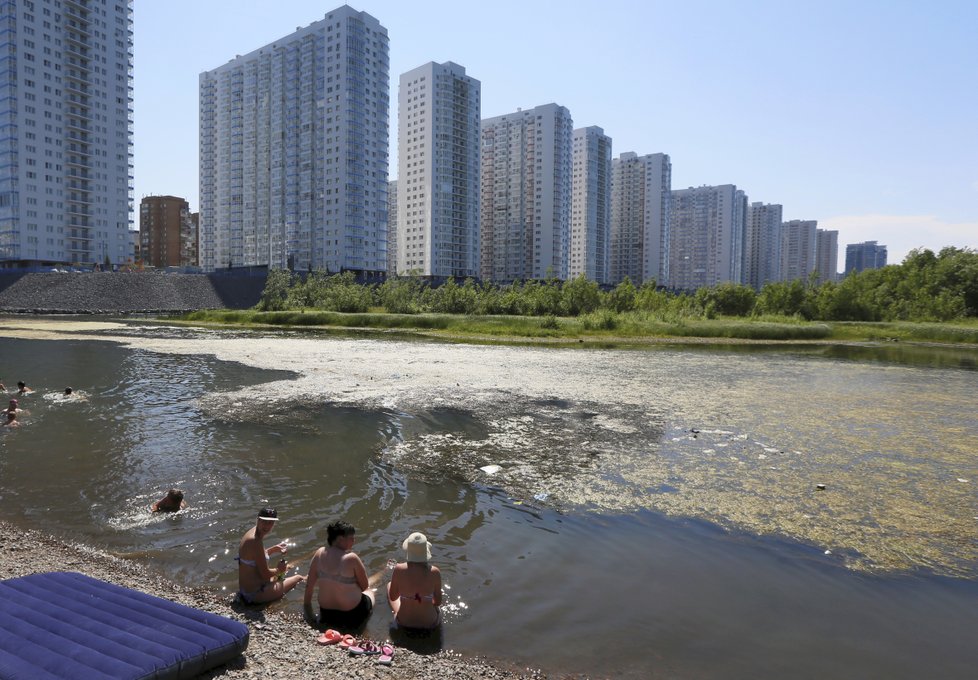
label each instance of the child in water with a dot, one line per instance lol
(171, 502)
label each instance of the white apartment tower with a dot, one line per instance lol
(826, 254)
(438, 122)
(294, 151)
(762, 244)
(590, 205)
(65, 132)
(641, 199)
(706, 236)
(526, 186)
(798, 249)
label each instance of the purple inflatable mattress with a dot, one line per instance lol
(67, 625)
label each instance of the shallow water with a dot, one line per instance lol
(609, 512)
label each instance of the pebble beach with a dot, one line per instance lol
(281, 644)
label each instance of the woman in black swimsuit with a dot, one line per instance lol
(346, 597)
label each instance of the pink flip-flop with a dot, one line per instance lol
(366, 647)
(386, 655)
(347, 641)
(330, 637)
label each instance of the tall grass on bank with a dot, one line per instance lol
(603, 324)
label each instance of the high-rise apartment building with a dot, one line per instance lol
(866, 255)
(294, 151)
(193, 248)
(826, 255)
(706, 236)
(590, 231)
(762, 244)
(641, 199)
(798, 249)
(526, 183)
(166, 232)
(392, 228)
(65, 132)
(438, 123)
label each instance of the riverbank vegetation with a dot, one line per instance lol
(929, 297)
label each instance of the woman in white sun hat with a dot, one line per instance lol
(414, 591)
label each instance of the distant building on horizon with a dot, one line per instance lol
(827, 255)
(590, 205)
(641, 200)
(762, 244)
(526, 188)
(798, 249)
(866, 255)
(66, 112)
(706, 236)
(294, 151)
(166, 232)
(438, 123)
(392, 228)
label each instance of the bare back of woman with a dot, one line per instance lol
(414, 592)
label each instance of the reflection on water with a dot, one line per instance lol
(541, 477)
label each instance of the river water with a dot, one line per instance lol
(610, 512)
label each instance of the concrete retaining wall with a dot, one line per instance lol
(122, 293)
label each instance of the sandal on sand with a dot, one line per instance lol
(330, 637)
(386, 655)
(347, 641)
(365, 647)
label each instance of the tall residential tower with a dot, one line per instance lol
(294, 151)
(706, 236)
(526, 185)
(590, 205)
(65, 132)
(641, 199)
(438, 125)
(762, 244)
(798, 249)
(827, 254)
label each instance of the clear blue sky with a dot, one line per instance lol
(862, 115)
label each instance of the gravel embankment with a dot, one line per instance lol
(125, 293)
(281, 645)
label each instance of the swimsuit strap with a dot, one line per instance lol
(338, 578)
(418, 597)
(249, 563)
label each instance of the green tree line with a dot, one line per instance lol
(925, 287)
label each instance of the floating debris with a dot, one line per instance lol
(490, 469)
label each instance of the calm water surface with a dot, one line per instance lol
(651, 513)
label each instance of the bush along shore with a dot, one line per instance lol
(925, 287)
(928, 298)
(281, 644)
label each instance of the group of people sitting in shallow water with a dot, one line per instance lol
(346, 595)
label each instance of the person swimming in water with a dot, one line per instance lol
(258, 583)
(12, 420)
(171, 502)
(22, 388)
(346, 596)
(414, 592)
